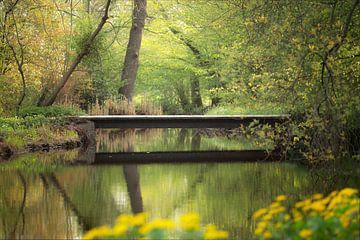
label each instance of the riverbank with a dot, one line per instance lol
(37, 133)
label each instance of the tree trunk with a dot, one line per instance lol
(80, 56)
(132, 179)
(184, 102)
(195, 93)
(131, 62)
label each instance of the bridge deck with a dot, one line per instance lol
(181, 121)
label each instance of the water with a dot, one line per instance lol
(59, 198)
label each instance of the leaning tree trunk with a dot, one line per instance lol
(131, 62)
(86, 49)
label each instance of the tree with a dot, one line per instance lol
(86, 49)
(131, 62)
(17, 55)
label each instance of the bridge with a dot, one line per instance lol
(90, 123)
(181, 121)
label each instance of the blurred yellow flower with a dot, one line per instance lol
(317, 196)
(281, 198)
(190, 221)
(267, 235)
(124, 219)
(103, 231)
(349, 191)
(139, 219)
(305, 233)
(211, 232)
(119, 230)
(318, 206)
(259, 213)
(157, 224)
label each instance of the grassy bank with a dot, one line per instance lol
(36, 129)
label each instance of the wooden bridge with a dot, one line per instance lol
(181, 121)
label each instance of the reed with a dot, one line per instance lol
(124, 107)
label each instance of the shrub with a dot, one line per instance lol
(137, 227)
(50, 111)
(333, 217)
(16, 123)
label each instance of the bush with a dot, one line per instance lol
(333, 217)
(51, 111)
(16, 123)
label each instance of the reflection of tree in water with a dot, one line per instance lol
(21, 213)
(331, 177)
(122, 140)
(51, 178)
(150, 139)
(195, 140)
(31, 209)
(132, 179)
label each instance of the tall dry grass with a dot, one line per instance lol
(124, 107)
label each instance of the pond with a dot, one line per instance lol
(59, 195)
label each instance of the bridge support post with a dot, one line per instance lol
(87, 133)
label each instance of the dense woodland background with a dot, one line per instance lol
(197, 56)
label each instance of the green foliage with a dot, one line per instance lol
(40, 162)
(245, 110)
(19, 132)
(50, 111)
(15, 123)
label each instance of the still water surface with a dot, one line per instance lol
(51, 196)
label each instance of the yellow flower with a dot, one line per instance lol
(212, 233)
(267, 235)
(335, 201)
(190, 221)
(124, 219)
(139, 219)
(334, 193)
(277, 210)
(317, 196)
(258, 231)
(281, 198)
(259, 213)
(119, 230)
(157, 224)
(349, 191)
(275, 205)
(318, 206)
(103, 231)
(305, 233)
(267, 217)
(303, 203)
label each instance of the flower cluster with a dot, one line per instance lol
(335, 216)
(137, 227)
